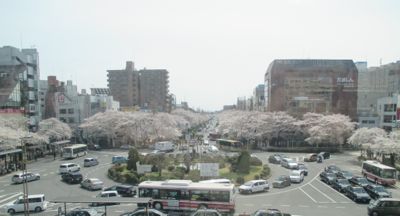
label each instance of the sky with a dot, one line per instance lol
(214, 50)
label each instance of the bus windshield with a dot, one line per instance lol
(386, 173)
(67, 150)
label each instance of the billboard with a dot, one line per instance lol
(209, 169)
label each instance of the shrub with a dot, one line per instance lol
(240, 180)
(255, 161)
(243, 163)
(179, 173)
(131, 178)
(194, 175)
(256, 177)
(171, 168)
(111, 173)
(119, 168)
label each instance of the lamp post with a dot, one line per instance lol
(24, 171)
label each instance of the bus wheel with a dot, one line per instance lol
(158, 206)
(202, 206)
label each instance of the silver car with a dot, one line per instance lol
(92, 184)
(87, 162)
(21, 177)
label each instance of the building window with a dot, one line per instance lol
(63, 120)
(371, 121)
(388, 118)
(71, 120)
(364, 122)
(63, 111)
(71, 111)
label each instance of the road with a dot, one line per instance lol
(311, 197)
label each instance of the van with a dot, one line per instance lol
(68, 167)
(36, 202)
(87, 162)
(118, 159)
(384, 206)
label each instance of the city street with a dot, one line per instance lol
(311, 197)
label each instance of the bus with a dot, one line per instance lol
(188, 195)
(229, 145)
(379, 173)
(74, 151)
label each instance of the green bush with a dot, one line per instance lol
(131, 178)
(111, 173)
(194, 175)
(179, 173)
(265, 172)
(255, 161)
(240, 180)
(243, 162)
(119, 168)
(256, 177)
(171, 168)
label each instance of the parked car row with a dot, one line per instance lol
(357, 188)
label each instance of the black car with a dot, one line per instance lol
(357, 194)
(333, 169)
(359, 181)
(275, 159)
(377, 191)
(325, 155)
(344, 174)
(123, 190)
(327, 177)
(340, 184)
(72, 177)
(281, 182)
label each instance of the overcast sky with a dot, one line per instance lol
(215, 50)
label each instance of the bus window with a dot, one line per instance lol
(145, 192)
(388, 174)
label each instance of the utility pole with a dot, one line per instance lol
(25, 182)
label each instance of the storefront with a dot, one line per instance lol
(10, 160)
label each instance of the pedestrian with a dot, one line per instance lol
(54, 154)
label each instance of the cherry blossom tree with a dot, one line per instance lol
(54, 129)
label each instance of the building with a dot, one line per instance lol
(241, 103)
(153, 90)
(323, 86)
(258, 98)
(124, 85)
(19, 83)
(101, 101)
(249, 103)
(389, 112)
(229, 107)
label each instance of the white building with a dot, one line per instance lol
(101, 101)
(388, 111)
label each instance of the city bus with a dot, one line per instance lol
(379, 173)
(188, 195)
(74, 151)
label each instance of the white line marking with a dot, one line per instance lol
(45, 175)
(308, 195)
(341, 207)
(335, 191)
(6, 185)
(323, 193)
(285, 205)
(322, 206)
(8, 198)
(249, 204)
(304, 206)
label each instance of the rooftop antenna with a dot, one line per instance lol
(380, 62)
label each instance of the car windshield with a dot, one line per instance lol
(343, 181)
(295, 173)
(380, 189)
(358, 190)
(347, 174)
(331, 175)
(248, 183)
(362, 181)
(281, 178)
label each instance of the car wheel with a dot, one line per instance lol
(11, 211)
(158, 206)
(38, 209)
(375, 213)
(202, 206)
(37, 178)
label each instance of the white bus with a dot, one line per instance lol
(379, 173)
(188, 195)
(74, 151)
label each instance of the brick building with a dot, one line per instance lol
(322, 86)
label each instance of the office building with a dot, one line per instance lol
(323, 86)
(124, 85)
(101, 100)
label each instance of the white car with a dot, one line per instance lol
(254, 186)
(107, 194)
(69, 167)
(87, 162)
(36, 202)
(296, 176)
(142, 211)
(289, 163)
(21, 177)
(92, 184)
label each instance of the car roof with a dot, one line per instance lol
(107, 192)
(32, 196)
(389, 199)
(259, 180)
(295, 171)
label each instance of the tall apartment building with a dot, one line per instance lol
(19, 83)
(147, 89)
(241, 103)
(124, 85)
(258, 98)
(323, 86)
(153, 89)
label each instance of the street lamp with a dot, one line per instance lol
(24, 171)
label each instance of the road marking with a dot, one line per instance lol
(308, 195)
(333, 201)
(285, 205)
(341, 207)
(304, 206)
(6, 185)
(335, 191)
(45, 175)
(8, 198)
(267, 205)
(322, 206)
(249, 204)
